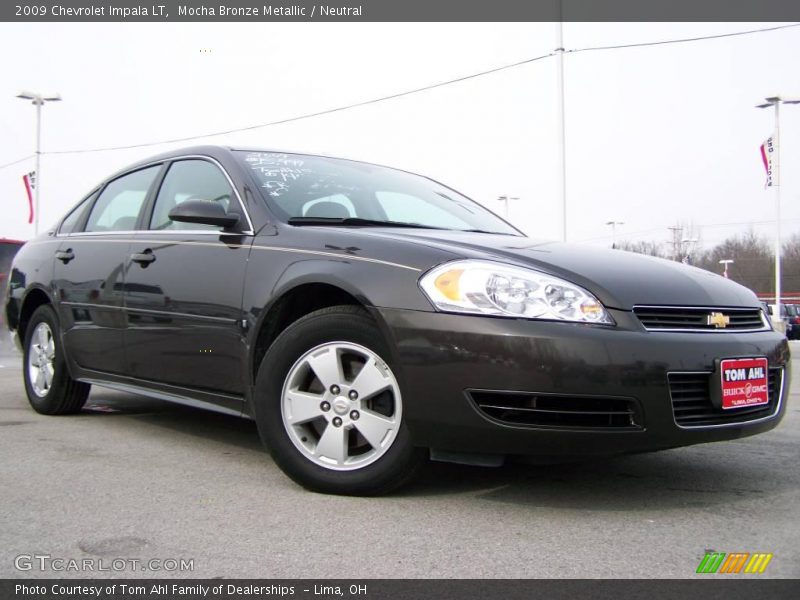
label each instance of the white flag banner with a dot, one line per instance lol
(769, 155)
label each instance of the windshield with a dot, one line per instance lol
(315, 190)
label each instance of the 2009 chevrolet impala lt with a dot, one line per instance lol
(368, 318)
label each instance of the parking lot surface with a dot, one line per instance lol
(134, 478)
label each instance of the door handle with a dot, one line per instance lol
(144, 258)
(65, 255)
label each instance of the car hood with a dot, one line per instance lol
(619, 279)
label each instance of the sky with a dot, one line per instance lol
(655, 136)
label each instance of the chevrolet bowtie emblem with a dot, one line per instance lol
(718, 320)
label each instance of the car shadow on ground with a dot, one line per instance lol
(696, 477)
(186, 420)
(665, 480)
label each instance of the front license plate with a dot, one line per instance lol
(744, 382)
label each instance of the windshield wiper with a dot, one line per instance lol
(354, 221)
(484, 231)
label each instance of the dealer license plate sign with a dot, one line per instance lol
(744, 382)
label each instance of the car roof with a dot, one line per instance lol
(203, 150)
(217, 149)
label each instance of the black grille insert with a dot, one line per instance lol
(660, 318)
(557, 411)
(692, 407)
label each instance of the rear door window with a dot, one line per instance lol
(119, 204)
(70, 224)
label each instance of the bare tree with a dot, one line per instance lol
(643, 247)
(753, 256)
(753, 261)
(790, 265)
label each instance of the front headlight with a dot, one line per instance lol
(488, 288)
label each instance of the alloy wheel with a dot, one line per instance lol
(41, 359)
(341, 406)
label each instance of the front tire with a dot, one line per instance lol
(50, 389)
(329, 408)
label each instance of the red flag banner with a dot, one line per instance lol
(769, 156)
(29, 179)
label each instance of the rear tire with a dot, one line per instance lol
(50, 389)
(335, 427)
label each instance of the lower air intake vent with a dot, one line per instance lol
(692, 406)
(556, 411)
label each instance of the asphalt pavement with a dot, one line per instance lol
(139, 480)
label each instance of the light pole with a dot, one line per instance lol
(677, 234)
(726, 262)
(687, 257)
(614, 231)
(504, 200)
(38, 101)
(776, 101)
(561, 120)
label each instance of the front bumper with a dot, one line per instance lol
(441, 356)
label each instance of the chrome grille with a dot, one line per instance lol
(676, 318)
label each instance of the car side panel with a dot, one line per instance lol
(89, 289)
(184, 311)
(32, 269)
(379, 272)
(383, 274)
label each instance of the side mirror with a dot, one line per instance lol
(203, 212)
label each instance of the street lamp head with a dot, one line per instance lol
(38, 98)
(773, 100)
